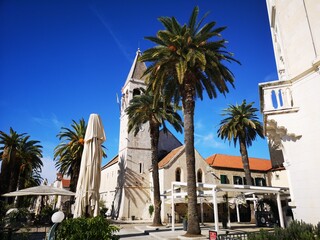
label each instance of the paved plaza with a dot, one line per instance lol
(136, 230)
(143, 230)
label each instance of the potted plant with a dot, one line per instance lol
(151, 210)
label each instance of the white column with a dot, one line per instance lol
(238, 214)
(229, 222)
(172, 207)
(280, 210)
(201, 208)
(267, 100)
(215, 210)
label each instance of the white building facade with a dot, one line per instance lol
(290, 105)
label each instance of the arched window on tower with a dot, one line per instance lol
(199, 176)
(136, 91)
(178, 175)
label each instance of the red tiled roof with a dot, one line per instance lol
(169, 156)
(112, 161)
(235, 162)
(65, 183)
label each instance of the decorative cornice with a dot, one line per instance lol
(277, 134)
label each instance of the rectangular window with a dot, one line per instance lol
(224, 179)
(237, 180)
(140, 168)
(260, 182)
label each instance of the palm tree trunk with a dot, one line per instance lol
(15, 170)
(247, 172)
(245, 161)
(4, 176)
(188, 112)
(154, 134)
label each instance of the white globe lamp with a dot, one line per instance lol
(57, 217)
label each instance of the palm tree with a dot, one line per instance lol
(30, 153)
(141, 110)
(185, 62)
(10, 167)
(68, 153)
(21, 161)
(241, 125)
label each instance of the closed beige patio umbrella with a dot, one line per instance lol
(87, 194)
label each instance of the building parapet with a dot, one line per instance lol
(276, 97)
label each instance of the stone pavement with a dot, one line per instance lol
(140, 230)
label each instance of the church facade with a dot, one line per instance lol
(126, 180)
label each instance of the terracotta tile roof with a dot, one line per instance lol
(235, 162)
(111, 162)
(170, 156)
(65, 183)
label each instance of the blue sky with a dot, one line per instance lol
(61, 60)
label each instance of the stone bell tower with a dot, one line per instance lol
(132, 196)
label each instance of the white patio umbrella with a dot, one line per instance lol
(87, 194)
(43, 190)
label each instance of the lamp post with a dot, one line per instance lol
(56, 218)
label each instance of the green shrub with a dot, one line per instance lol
(86, 228)
(17, 218)
(262, 235)
(297, 230)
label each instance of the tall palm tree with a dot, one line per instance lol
(143, 109)
(184, 63)
(68, 153)
(9, 167)
(241, 125)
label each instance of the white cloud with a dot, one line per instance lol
(198, 125)
(114, 37)
(49, 122)
(208, 141)
(48, 170)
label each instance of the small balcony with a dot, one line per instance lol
(276, 98)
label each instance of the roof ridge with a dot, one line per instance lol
(173, 157)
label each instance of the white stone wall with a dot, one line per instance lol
(295, 34)
(278, 178)
(301, 155)
(108, 184)
(296, 38)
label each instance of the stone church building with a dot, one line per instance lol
(126, 181)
